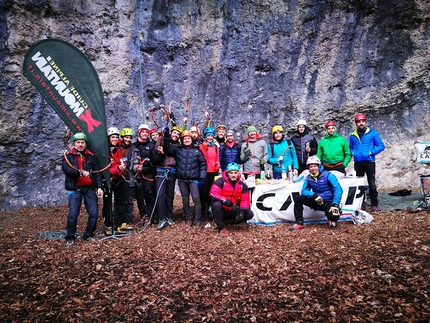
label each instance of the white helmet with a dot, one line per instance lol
(143, 126)
(112, 131)
(193, 129)
(313, 160)
(302, 122)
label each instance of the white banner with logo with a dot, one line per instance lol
(423, 152)
(273, 203)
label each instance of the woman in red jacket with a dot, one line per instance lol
(230, 199)
(117, 170)
(210, 151)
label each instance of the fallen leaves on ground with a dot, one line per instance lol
(378, 272)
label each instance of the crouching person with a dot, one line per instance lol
(230, 199)
(320, 191)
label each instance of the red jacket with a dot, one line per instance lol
(116, 158)
(211, 154)
(222, 189)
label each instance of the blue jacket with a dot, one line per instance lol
(229, 154)
(365, 148)
(325, 185)
(275, 149)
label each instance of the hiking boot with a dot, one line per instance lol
(332, 224)
(189, 223)
(296, 226)
(70, 242)
(374, 208)
(239, 218)
(162, 224)
(170, 221)
(199, 225)
(125, 227)
(223, 232)
(107, 231)
(89, 239)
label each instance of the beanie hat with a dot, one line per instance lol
(251, 128)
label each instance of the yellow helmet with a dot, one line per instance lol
(178, 129)
(277, 128)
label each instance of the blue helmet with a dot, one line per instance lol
(209, 131)
(232, 166)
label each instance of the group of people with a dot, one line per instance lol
(212, 168)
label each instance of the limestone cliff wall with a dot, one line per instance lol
(257, 62)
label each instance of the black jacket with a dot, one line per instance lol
(190, 162)
(72, 173)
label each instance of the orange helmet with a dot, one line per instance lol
(330, 123)
(186, 133)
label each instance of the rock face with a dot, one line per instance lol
(249, 62)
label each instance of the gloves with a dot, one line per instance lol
(235, 210)
(201, 183)
(334, 210)
(247, 152)
(262, 161)
(228, 203)
(166, 133)
(319, 200)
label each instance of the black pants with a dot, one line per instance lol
(165, 189)
(204, 193)
(300, 200)
(222, 217)
(145, 196)
(118, 213)
(368, 168)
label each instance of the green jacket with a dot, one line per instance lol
(334, 149)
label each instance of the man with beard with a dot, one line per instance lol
(81, 182)
(230, 151)
(320, 191)
(365, 143)
(230, 199)
(333, 149)
(306, 144)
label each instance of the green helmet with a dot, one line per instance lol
(232, 166)
(79, 136)
(126, 132)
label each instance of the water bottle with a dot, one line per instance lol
(284, 173)
(290, 174)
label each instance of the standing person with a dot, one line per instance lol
(282, 154)
(154, 135)
(141, 156)
(220, 134)
(230, 151)
(306, 144)
(197, 140)
(253, 152)
(190, 169)
(320, 191)
(333, 149)
(82, 182)
(116, 216)
(165, 180)
(124, 146)
(365, 143)
(230, 199)
(211, 153)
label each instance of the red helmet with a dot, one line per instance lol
(359, 117)
(330, 123)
